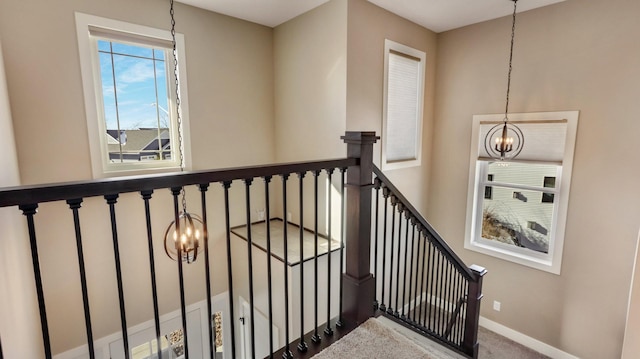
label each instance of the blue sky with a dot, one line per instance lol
(135, 85)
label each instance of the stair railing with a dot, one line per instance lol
(450, 318)
(421, 282)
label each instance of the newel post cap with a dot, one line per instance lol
(360, 137)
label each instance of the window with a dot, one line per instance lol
(488, 190)
(550, 182)
(403, 106)
(523, 218)
(130, 96)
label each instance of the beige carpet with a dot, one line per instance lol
(373, 340)
(381, 338)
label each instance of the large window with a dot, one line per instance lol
(403, 106)
(522, 219)
(130, 96)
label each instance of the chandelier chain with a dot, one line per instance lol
(513, 33)
(178, 111)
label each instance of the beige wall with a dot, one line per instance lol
(310, 84)
(230, 79)
(18, 311)
(368, 27)
(259, 95)
(576, 55)
(231, 103)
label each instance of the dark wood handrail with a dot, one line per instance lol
(433, 234)
(33, 194)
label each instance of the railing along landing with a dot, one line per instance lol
(329, 199)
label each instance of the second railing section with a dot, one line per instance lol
(420, 281)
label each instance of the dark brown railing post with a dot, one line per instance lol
(358, 281)
(474, 297)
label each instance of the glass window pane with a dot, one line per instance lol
(104, 45)
(108, 91)
(158, 54)
(517, 217)
(526, 174)
(132, 50)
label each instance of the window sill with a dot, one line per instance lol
(513, 254)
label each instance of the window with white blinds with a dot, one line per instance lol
(403, 106)
(523, 218)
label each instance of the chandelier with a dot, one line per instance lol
(182, 237)
(505, 140)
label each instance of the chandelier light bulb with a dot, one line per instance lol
(189, 232)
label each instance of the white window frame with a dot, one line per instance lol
(392, 46)
(94, 106)
(551, 261)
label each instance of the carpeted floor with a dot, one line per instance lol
(381, 338)
(374, 340)
(495, 346)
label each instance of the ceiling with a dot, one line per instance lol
(436, 15)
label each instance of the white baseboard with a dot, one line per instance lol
(525, 340)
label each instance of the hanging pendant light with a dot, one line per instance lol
(182, 239)
(505, 140)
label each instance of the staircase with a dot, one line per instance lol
(96, 248)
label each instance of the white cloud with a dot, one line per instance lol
(138, 72)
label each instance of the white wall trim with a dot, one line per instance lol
(525, 340)
(219, 302)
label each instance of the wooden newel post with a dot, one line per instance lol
(470, 342)
(358, 281)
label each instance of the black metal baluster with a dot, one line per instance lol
(440, 312)
(450, 293)
(454, 306)
(287, 351)
(404, 280)
(446, 296)
(451, 327)
(29, 211)
(327, 329)
(433, 278)
(267, 180)
(111, 201)
(302, 345)
(315, 337)
(247, 183)
(413, 245)
(376, 185)
(226, 186)
(446, 302)
(463, 295)
(340, 322)
(385, 194)
(146, 196)
(75, 204)
(183, 306)
(460, 303)
(432, 272)
(423, 302)
(211, 334)
(400, 210)
(442, 294)
(394, 202)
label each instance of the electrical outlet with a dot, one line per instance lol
(496, 305)
(260, 214)
(288, 216)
